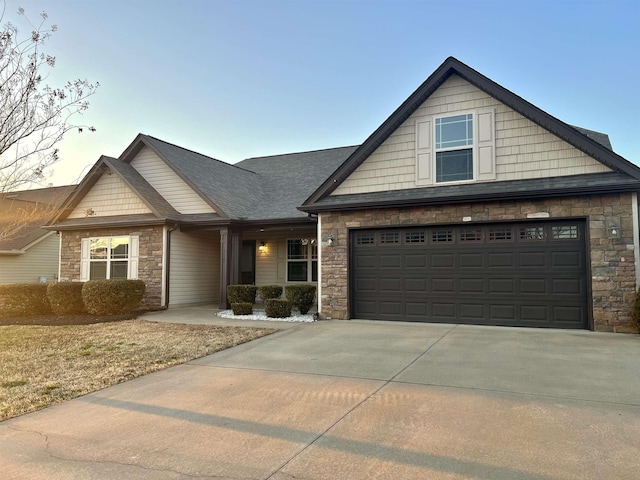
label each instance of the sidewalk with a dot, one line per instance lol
(206, 315)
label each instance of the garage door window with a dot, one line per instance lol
(564, 232)
(501, 234)
(532, 233)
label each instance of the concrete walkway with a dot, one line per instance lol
(356, 400)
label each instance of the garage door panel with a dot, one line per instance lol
(391, 285)
(503, 274)
(443, 285)
(415, 261)
(471, 260)
(472, 286)
(366, 261)
(472, 312)
(567, 286)
(567, 259)
(390, 261)
(416, 285)
(533, 259)
(500, 260)
(501, 285)
(533, 286)
(444, 311)
(443, 260)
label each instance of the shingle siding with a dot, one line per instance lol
(109, 196)
(523, 149)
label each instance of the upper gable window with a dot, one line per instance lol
(454, 148)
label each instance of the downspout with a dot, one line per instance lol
(167, 263)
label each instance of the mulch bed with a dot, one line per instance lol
(54, 320)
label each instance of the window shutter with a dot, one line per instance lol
(134, 247)
(85, 249)
(424, 153)
(486, 135)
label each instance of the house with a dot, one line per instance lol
(28, 252)
(467, 205)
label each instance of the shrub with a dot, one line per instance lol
(112, 297)
(301, 297)
(277, 308)
(242, 308)
(66, 298)
(242, 293)
(270, 291)
(636, 310)
(21, 299)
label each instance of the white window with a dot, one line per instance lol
(454, 148)
(458, 147)
(302, 260)
(105, 258)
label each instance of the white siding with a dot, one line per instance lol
(168, 184)
(110, 196)
(41, 260)
(194, 268)
(523, 149)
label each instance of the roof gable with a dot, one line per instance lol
(578, 138)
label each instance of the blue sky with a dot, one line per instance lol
(235, 79)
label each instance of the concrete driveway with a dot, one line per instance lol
(342, 400)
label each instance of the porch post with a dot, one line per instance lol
(236, 245)
(224, 267)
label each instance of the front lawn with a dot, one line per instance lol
(45, 365)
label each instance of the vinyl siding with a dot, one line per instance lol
(110, 196)
(168, 184)
(195, 268)
(523, 149)
(271, 265)
(41, 260)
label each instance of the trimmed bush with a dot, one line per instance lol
(66, 298)
(242, 308)
(636, 311)
(301, 297)
(22, 299)
(277, 308)
(270, 291)
(242, 294)
(112, 297)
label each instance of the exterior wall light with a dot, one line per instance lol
(262, 247)
(330, 240)
(613, 227)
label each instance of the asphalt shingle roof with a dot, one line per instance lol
(13, 204)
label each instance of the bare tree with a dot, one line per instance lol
(34, 116)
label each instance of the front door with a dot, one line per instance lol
(248, 262)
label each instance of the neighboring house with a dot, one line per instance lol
(467, 205)
(29, 253)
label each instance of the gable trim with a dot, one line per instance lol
(450, 67)
(142, 140)
(96, 172)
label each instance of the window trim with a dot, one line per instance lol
(132, 256)
(311, 258)
(471, 147)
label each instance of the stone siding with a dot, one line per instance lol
(150, 258)
(612, 263)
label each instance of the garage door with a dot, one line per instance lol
(528, 274)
